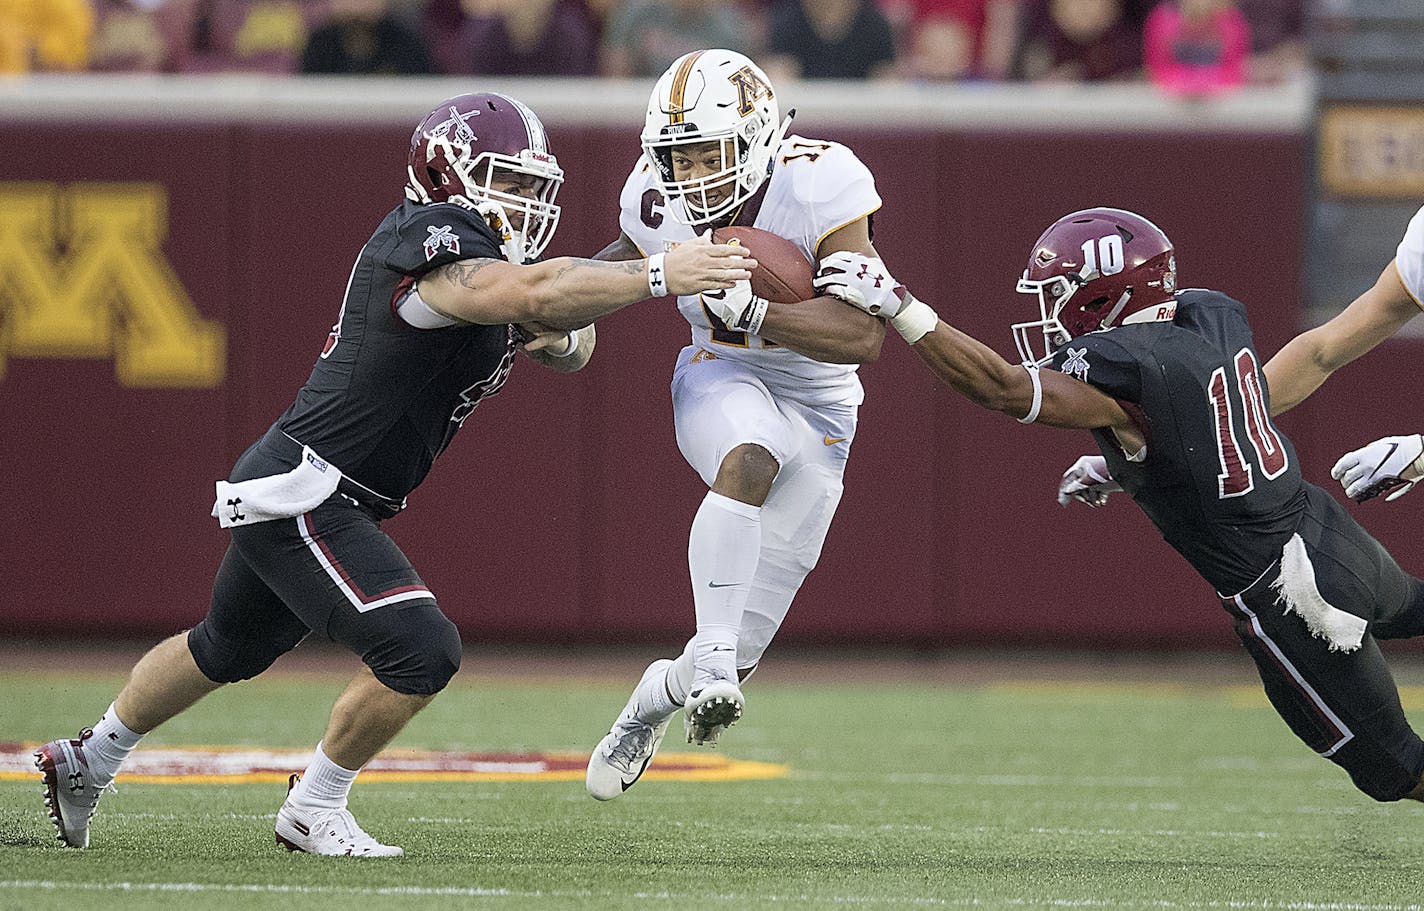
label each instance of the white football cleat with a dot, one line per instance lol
(71, 794)
(714, 703)
(319, 830)
(623, 754)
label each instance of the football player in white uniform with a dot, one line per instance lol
(765, 396)
(1392, 463)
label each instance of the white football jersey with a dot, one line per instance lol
(1409, 258)
(815, 187)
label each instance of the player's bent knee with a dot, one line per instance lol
(1383, 773)
(224, 656)
(420, 660)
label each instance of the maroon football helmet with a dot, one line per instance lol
(1093, 270)
(456, 150)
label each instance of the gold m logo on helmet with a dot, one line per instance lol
(750, 87)
(82, 275)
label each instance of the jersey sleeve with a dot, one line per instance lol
(438, 234)
(1409, 258)
(830, 182)
(1102, 363)
(639, 216)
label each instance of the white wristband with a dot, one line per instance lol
(915, 320)
(657, 275)
(570, 346)
(1037, 395)
(756, 313)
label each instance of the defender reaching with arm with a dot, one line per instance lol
(1168, 381)
(1392, 463)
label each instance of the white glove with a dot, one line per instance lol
(737, 306)
(1388, 464)
(1087, 481)
(862, 281)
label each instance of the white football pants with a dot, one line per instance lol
(719, 404)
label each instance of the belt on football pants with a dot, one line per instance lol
(285, 446)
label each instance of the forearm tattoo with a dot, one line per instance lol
(634, 267)
(463, 272)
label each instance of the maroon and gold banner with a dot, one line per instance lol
(165, 288)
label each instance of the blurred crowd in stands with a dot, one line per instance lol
(1186, 46)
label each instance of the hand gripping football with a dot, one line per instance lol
(782, 274)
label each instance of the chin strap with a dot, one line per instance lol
(511, 243)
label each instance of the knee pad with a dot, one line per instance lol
(228, 656)
(421, 654)
(796, 516)
(1379, 772)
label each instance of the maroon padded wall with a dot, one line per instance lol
(561, 513)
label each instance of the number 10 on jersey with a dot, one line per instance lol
(1237, 476)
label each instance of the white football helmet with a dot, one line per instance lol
(713, 96)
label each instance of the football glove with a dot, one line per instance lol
(1087, 481)
(737, 306)
(1388, 465)
(862, 281)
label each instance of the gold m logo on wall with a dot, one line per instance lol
(82, 275)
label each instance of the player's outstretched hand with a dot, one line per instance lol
(737, 306)
(537, 336)
(1087, 481)
(862, 281)
(700, 265)
(1387, 465)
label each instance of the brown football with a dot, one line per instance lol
(782, 274)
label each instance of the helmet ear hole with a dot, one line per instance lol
(1097, 305)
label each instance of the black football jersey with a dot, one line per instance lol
(1218, 480)
(385, 398)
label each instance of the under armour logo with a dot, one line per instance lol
(1076, 364)
(76, 782)
(237, 515)
(441, 237)
(458, 122)
(865, 273)
(655, 276)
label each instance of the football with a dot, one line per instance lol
(782, 273)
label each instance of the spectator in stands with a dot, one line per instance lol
(829, 39)
(364, 37)
(262, 36)
(1278, 49)
(138, 36)
(959, 39)
(1078, 41)
(518, 38)
(645, 36)
(44, 35)
(1196, 47)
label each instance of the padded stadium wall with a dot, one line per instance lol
(172, 257)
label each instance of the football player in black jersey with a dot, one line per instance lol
(440, 299)
(1169, 384)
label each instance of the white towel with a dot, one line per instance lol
(279, 496)
(1296, 587)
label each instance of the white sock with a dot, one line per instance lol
(722, 554)
(110, 746)
(324, 784)
(663, 694)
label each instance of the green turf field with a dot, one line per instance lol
(995, 794)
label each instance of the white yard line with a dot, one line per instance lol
(1264, 904)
